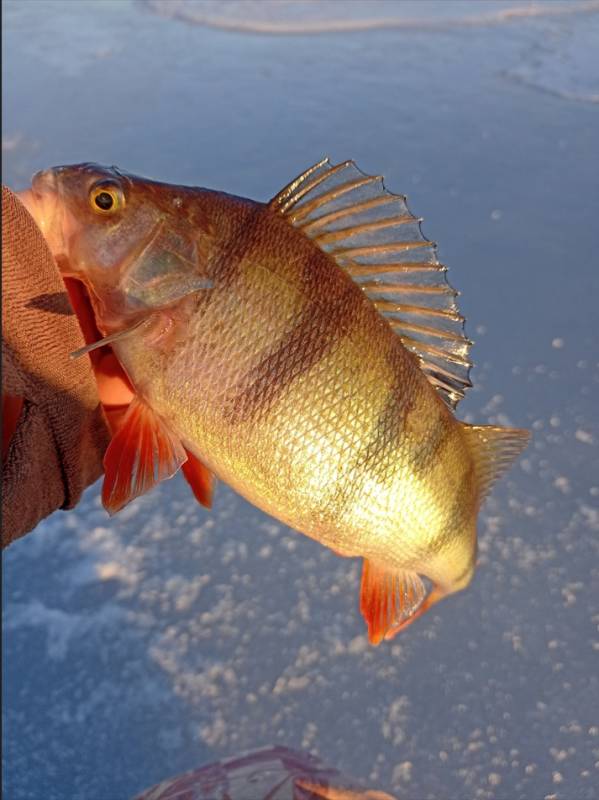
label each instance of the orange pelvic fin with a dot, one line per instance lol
(199, 477)
(142, 453)
(389, 599)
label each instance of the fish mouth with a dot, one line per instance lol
(43, 202)
(44, 179)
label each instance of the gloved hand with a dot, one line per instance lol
(55, 429)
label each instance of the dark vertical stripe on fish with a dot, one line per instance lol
(463, 496)
(319, 327)
(382, 441)
(431, 447)
(235, 239)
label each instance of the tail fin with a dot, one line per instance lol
(493, 449)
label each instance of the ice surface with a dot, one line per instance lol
(168, 637)
(281, 17)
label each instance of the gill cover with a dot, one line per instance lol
(127, 238)
(166, 268)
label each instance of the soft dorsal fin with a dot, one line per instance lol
(493, 450)
(372, 235)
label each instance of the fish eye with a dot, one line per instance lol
(106, 198)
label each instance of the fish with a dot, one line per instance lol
(307, 351)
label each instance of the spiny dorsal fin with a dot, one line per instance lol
(373, 236)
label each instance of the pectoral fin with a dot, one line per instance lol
(142, 453)
(389, 599)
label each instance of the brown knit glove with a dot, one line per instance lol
(53, 425)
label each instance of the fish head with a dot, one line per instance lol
(137, 245)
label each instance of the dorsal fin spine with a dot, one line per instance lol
(439, 371)
(379, 287)
(390, 247)
(436, 351)
(427, 330)
(334, 194)
(289, 190)
(367, 227)
(392, 307)
(358, 270)
(333, 216)
(307, 187)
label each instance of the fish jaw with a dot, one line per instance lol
(146, 250)
(43, 202)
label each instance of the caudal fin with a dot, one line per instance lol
(494, 449)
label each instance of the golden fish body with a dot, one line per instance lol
(319, 416)
(285, 379)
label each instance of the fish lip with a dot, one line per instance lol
(32, 200)
(33, 196)
(44, 181)
(43, 202)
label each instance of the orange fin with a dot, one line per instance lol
(199, 477)
(142, 453)
(388, 598)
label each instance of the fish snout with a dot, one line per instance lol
(45, 180)
(40, 199)
(44, 204)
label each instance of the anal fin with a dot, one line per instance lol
(142, 453)
(388, 599)
(199, 477)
